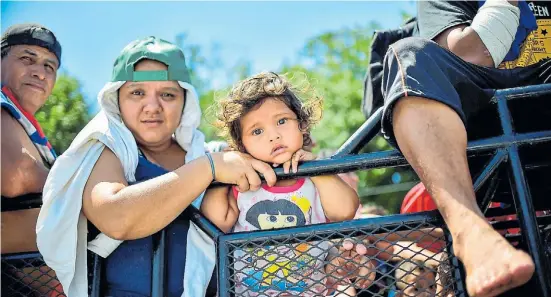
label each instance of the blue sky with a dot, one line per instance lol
(265, 33)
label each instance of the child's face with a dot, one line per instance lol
(271, 133)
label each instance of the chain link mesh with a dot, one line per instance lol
(28, 275)
(400, 259)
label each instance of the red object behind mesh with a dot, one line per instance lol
(418, 199)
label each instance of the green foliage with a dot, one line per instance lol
(64, 113)
(336, 66)
(207, 121)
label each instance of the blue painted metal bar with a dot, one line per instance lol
(362, 136)
(21, 256)
(505, 141)
(490, 168)
(526, 215)
(371, 127)
(523, 92)
(489, 194)
(393, 158)
(223, 265)
(505, 116)
(523, 199)
(489, 172)
(350, 228)
(203, 223)
(158, 277)
(96, 279)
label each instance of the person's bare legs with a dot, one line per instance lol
(433, 139)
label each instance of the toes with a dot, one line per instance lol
(524, 269)
(500, 279)
(488, 283)
(495, 285)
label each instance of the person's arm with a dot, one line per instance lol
(338, 199)
(22, 171)
(463, 41)
(460, 39)
(220, 207)
(129, 212)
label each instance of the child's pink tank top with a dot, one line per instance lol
(285, 270)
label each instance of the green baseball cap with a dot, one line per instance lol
(151, 48)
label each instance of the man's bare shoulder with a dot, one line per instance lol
(7, 120)
(14, 137)
(11, 129)
(27, 172)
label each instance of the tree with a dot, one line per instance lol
(336, 66)
(64, 113)
(241, 70)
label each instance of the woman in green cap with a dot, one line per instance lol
(130, 173)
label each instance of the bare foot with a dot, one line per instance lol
(493, 266)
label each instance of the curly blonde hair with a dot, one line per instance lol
(251, 92)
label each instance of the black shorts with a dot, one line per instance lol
(416, 66)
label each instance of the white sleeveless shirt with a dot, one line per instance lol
(283, 270)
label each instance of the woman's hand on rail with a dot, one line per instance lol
(242, 170)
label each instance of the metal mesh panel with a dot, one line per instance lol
(27, 275)
(401, 259)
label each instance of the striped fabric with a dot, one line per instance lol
(30, 125)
